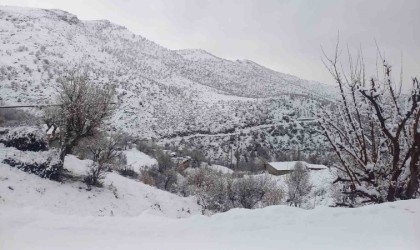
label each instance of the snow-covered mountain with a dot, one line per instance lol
(181, 97)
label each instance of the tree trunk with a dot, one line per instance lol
(413, 183)
(66, 148)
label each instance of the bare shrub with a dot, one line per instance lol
(164, 175)
(123, 168)
(298, 184)
(250, 191)
(210, 188)
(95, 174)
(125, 140)
(105, 157)
(146, 148)
(147, 178)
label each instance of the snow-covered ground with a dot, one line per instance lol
(221, 169)
(387, 226)
(37, 213)
(120, 196)
(138, 160)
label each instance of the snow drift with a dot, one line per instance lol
(387, 226)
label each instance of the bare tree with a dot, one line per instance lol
(83, 107)
(374, 130)
(298, 184)
(105, 156)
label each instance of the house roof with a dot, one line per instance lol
(316, 166)
(289, 165)
(283, 165)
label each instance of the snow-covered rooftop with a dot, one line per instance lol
(289, 165)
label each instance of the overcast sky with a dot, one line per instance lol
(283, 35)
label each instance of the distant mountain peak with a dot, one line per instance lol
(32, 13)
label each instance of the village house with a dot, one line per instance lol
(286, 167)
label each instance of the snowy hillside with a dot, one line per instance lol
(120, 196)
(164, 94)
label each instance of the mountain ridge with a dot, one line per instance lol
(161, 94)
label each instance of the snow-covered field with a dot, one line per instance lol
(387, 226)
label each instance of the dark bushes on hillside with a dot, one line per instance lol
(48, 168)
(147, 148)
(25, 139)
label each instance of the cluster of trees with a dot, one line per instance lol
(220, 192)
(215, 191)
(165, 175)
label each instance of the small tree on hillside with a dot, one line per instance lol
(298, 184)
(373, 129)
(196, 158)
(165, 175)
(105, 156)
(83, 107)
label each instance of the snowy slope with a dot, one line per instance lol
(138, 160)
(120, 196)
(387, 226)
(161, 93)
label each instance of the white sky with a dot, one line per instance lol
(284, 35)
